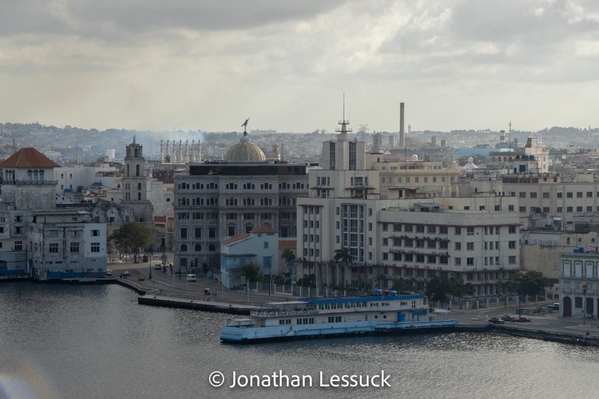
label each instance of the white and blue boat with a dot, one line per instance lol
(321, 317)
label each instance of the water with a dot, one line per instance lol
(66, 341)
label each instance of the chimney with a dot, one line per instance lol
(402, 133)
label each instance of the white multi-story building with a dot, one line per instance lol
(71, 178)
(66, 244)
(471, 233)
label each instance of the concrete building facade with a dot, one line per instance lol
(579, 285)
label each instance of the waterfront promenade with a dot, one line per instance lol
(170, 288)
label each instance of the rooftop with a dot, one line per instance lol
(28, 158)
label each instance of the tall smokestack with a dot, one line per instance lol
(402, 133)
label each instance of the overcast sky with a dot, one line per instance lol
(194, 64)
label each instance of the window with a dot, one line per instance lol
(579, 194)
(198, 232)
(512, 260)
(183, 233)
(568, 195)
(470, 246)
(53, 248)
(458, 246)
(95, 247)
(470, 261)
(74, 248)
(458, 261)
(212, 232)
(533, 195)
(95, 233)
(265, 244)
(560, 195)
(470, 231)
(512, 245)
(545, 195)
(458, 231)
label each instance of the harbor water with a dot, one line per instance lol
(73, 342)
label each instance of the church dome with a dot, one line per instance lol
(244, 151)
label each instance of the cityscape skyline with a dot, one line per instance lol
(202, 65)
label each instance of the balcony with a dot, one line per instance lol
(31, 183)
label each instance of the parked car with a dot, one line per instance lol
(140, 278)
(480, 306)
(507, 317)
(496, 320)
(521, 320)
(553, 306)
(108, 273)
(126, 273)
(191, 277)
(157, 266)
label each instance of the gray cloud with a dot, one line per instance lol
(154, 64)
(112, 17)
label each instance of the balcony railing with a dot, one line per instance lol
(27, 182)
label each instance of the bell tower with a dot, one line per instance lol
(135, 183)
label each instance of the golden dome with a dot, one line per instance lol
(244, 151)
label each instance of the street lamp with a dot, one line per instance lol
(269, 277)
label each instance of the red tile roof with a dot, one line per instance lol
(235, 239)
(264, 229)
(28, 158)
(289, 244)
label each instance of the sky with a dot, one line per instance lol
(209, 65)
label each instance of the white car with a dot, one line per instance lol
(191, 277)
(108, 273)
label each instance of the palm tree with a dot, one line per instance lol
(343, 255)
(288, 256)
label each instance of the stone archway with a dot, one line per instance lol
(567, 312)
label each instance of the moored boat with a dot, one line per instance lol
(320, 317)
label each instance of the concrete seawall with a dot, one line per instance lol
(572, 338)
(196, 304)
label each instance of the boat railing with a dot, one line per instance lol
(282, 313)
(241, 323)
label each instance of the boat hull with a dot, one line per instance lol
(233, 334)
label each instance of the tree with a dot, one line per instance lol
(287, 255)
(132, 236)
(530, 283)
(250, 271)
(437, 289)
(343, 255)
(458, 289)
(526, 283)
(307, 281)
(402, 286)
